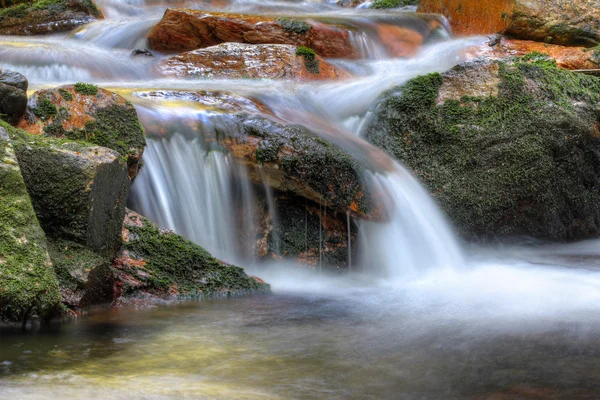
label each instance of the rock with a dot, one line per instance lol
(242, 60)
(78, 190)
(32, 18)
(28, 284)
(383, 4)
(186, 29)
(85, 277)
(86, 112)
(350, 3)
(508, 148)
(305, 233)
(554, 21)
(575, 23)
(141, 52)
(154, 263)
(292, 158)
(567, 57)
(13, 95)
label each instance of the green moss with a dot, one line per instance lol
(65, 94)
(174, 262)
(28, 284)
(25, 8)
(45, 109)
(294, 26)
(521, 162)
(380, 4)
(86, 88)
(310, 61)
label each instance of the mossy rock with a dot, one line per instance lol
(85, 112)
(78, 189)
(507, 148)
(160, 263)
(85, 277)
(31, 17)
(28, 284)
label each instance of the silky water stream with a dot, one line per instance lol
(420, 316)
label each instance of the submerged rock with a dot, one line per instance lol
(86, 112)
(78, 190)
(155, 263)
(13, 95)
(28, 284)
(187, 29)
(242, 60)
(508, 148)
(573, 22)
(26, 17)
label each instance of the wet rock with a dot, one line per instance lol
(350, 3)
(292, 158)
(555, 21)
(86, 112)
(158, 264)
(13, 96)
(186, 29)
(28, 284)
(141, 52)
(78, 190)
(305, 233)
(567, 57)
(508, 148)
(24, 17)
(241, 60)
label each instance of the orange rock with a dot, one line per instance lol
(471, 17)
(186, 29)
(400, 41)
(566, 57)
(241, 60)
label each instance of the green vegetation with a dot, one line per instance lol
(25, 8)
(521, 162)
(65, 94)
(86, 88)
(172, 262)
(310, 61)
(380, 4)
(45, 109)
(294, 26)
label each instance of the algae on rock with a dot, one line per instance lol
(28, 284)
(507, 148)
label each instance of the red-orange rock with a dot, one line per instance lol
(566, 57)
(186, 29)
(242, 60)
(400, 41)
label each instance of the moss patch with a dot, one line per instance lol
(45, 109)
(86, 88)
(172, 262)
(523, 162)
(294, 26)
(380, 4)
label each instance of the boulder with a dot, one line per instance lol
(86, 112)
(305, 233)
(242, 60)
(13, 96)
(292, 158)
(507, 148)
(567, 57)
(25, 17)
(78, 190)
(155, 263)
(553, 21)
(186, 29)
(28, 284)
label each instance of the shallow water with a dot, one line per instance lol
(502, 330)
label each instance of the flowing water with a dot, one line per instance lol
(419, 317)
